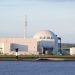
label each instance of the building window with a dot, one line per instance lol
(51, 37)
(40, 37)
(48, 37)
(1, 52)
(43, 37)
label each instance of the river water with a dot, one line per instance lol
(36, 68)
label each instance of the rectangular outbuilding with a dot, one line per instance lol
(72, 51)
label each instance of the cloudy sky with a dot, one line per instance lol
(55, 15)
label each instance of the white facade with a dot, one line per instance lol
(25, 46)
(42, 43)
(72, 51)
(47, 39)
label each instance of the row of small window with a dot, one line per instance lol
(45, 37)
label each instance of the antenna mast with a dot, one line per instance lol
(25, 26)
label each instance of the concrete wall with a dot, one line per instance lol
(25, 46)
(56, 46)
(21, 47)
(1, 48)
(51, 43)
(5, 47)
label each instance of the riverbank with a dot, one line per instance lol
(36, 58)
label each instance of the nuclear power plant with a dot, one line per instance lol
(43, 42)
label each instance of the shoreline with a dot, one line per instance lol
(36, 58)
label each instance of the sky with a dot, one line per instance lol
(55, 15)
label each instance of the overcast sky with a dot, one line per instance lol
(55, 15)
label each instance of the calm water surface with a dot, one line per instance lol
(36, 68)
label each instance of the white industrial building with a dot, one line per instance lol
(72, 51)
(43, 42)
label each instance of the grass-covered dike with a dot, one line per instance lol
(37, 58)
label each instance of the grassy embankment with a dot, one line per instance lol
(38, 57)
